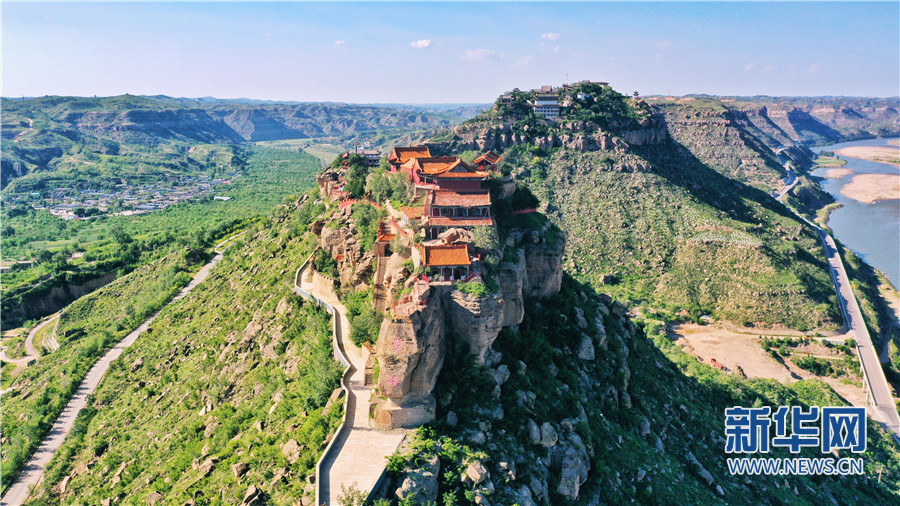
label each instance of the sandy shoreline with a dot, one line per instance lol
(837, 173)
(883, 154)
(871, 188)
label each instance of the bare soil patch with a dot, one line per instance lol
(734, 350)
(837, 173)
(870, 188)
(883, 154)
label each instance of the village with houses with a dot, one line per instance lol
(70, 203)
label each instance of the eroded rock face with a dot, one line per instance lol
(411, 353)
(544, 266)
(511, 280)
(475, 320)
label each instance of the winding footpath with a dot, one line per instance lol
(33, 472)
(358, 453)
(32, 353)
(881, 403)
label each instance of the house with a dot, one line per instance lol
(401, 155)
(446, 262)
(445, 209)
(371, 157)
(445, 172)
(506, 99)
(488, 161)
(547, 105)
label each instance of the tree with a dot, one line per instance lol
(485, 237)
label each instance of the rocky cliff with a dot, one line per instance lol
(411, 348)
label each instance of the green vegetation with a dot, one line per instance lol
(389, 186)
(77, 251)
(474, 288)
(829, 161)
(366, 218)
(231, 374)
(365, 322)
(669, 233)
(87, 328)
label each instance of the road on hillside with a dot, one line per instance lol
(884, 409)
(358, 453)
(33, 472)
(31, 352)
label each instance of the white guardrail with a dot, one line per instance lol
(339, 354)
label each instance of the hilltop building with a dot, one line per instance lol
(444, 172)
(447, 262)
(547, 105)
(371, 157)
(489, 161)
(400, 155)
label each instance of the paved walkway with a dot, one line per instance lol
(33, 472)
(31, 352)
(358, 454)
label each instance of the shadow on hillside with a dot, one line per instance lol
(678, 165)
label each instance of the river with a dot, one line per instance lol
(872, 231)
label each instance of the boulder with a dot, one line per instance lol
(421, 483)
(586, 349)
(291, 450)
(534, 432)
(476, 472)
(549, 437)
(501, 374)
(239, 469)
(579, 318)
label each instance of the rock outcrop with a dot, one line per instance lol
(411, 353)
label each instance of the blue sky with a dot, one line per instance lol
(447, 52)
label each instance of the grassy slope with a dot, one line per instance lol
(86, 329)
(674, 233)
(237, 345)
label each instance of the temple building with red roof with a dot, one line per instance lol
(445, 209)
(444, 172)
(400, 155)
(446, 262)
(489, 162)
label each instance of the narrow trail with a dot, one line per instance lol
(31, 352)
(357, 454)
(33, 472)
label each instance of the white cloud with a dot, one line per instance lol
(662, 44)
(768, 68)
(556, 49)
(749, 67)
(551, 36)
(340, 42)
(420, 44)
(815, 67)
(480, 55)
